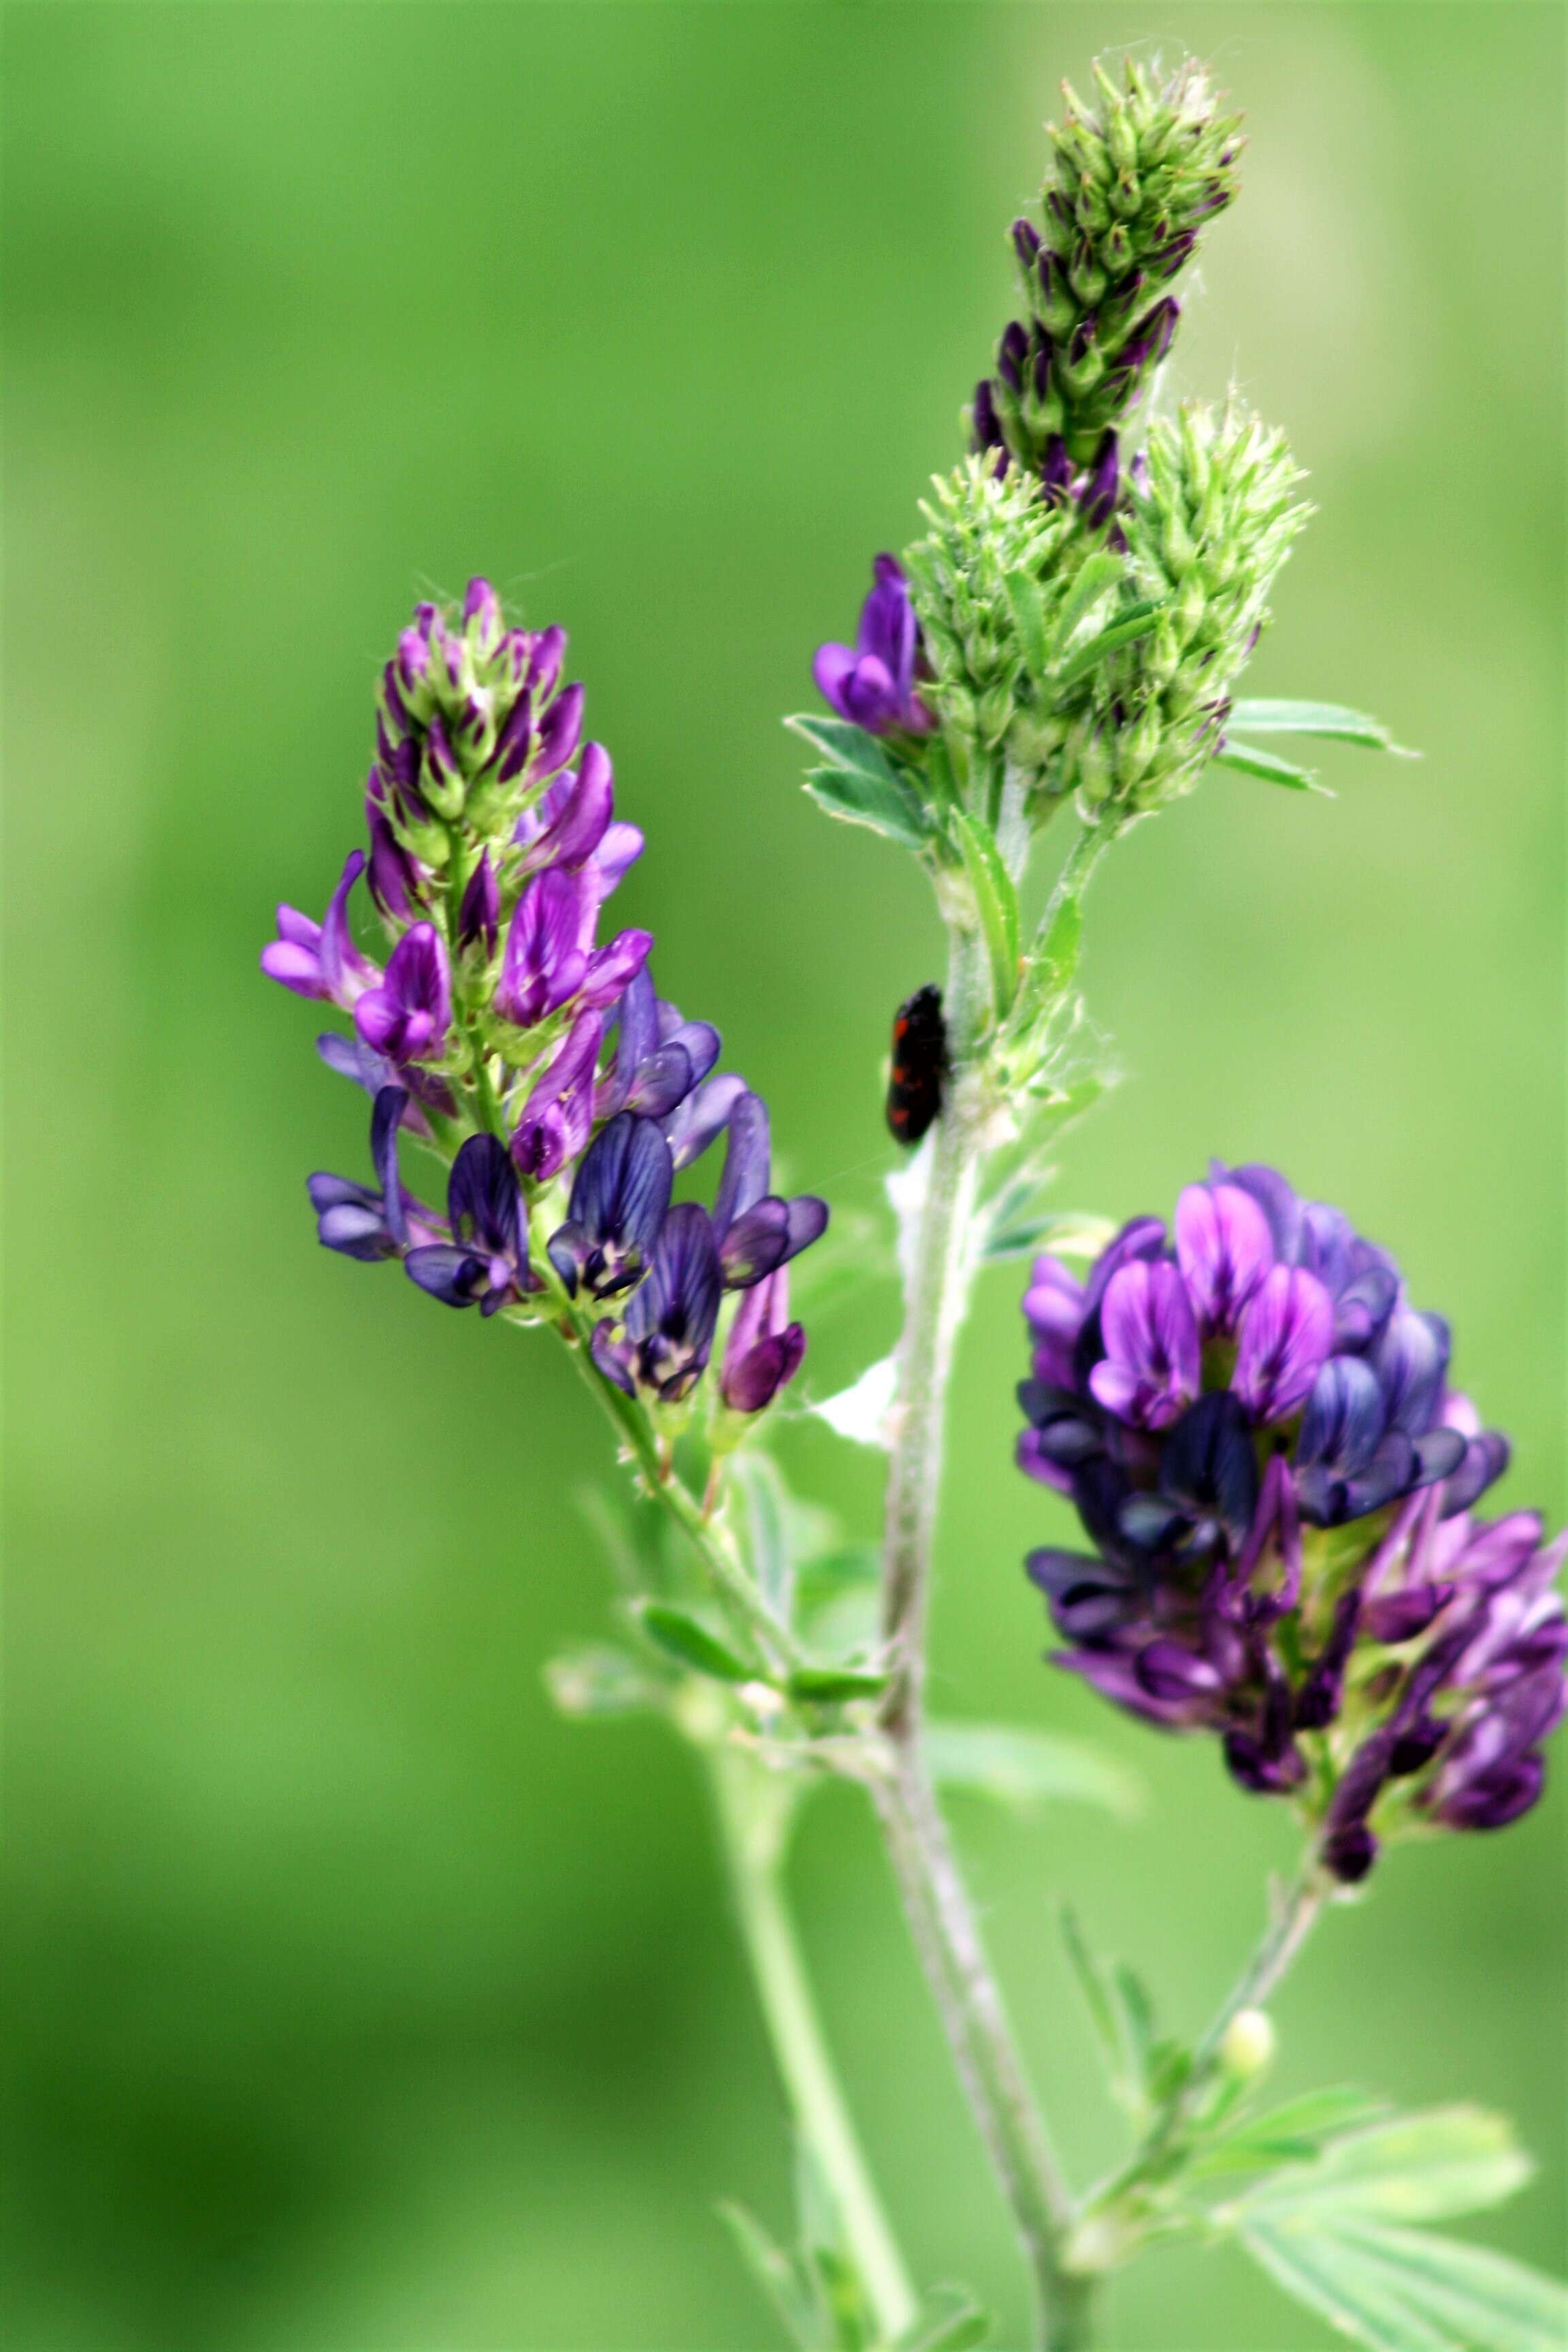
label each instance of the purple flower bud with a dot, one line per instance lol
(407, 1017)
(394, 880)
(1012, 356)
(574, 835)
(481, 613)
(1318, 1700)
(765, 1349)
(515, 740)
(873, 686)
(478, 916)
(1097, 499)
(558, 1117)
(559, 731)
(548, 652)
(1025, 243)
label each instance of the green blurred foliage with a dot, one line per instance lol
(354, 1999)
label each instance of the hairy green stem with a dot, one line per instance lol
(939, 1272)
(753, 1806)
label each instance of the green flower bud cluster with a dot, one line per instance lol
(995, 585)
(1128, 193)
(1209, 517)
(987, 537)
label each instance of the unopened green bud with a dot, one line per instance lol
(1086, 279)
(995, 713)
(1247, 2044)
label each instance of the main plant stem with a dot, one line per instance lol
(938, 1269)
(753, 1806)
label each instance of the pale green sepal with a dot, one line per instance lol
(1267, 716)
(1023, 1769)
(1101, 573)
(842, 745)
(1023, 593)
(1253, 761)
(996, 901)
(1136, 621)
(1066, 1232)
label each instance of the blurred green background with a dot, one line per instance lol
(355, 2003)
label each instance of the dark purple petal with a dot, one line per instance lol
(1411, 1359)
(456, 1276)
(559, 1114)
(747, 1161)
(478, 916)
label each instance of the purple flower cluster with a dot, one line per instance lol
(566, 1094)
(873, 683)
(1256, 1428)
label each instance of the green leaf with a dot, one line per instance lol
(1101, 573)
(842, 745)
(600, 1681)
(886, 805)
(1291, 2134)
(826, 1685)
(1029, 617)
(998, 902)
(1331, 719)
(1252, 761)
(775, 2273)
(1418, 2168)
(1023, 1769)
(1411, 2291)
(692, 1644)
(1135, 621)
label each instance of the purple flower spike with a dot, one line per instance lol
(620, 1199)
(558, 1117)
(1286, 1332)
(765, 1349)
(873, 686)
(486, 1263)
(321, 960)
(1150, 1370)
(407, 1017)
(1293, 1566)
(1224, 1248)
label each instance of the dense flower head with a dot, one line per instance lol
(1207, 517)
(532, 1053)
(1257, 1430)
(1132, 184)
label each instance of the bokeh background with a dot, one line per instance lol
(355, 2002)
